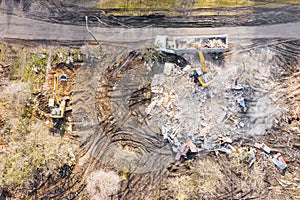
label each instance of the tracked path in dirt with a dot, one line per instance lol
(121, 130)
(69, 12)
(111, 138)
(114, 137)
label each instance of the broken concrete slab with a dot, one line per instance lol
(263, 147)
(168, 68)
(161, 41)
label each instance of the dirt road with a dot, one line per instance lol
(15, 27)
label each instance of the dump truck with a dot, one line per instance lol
(180, 45)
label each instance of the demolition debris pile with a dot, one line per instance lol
(234, 115)
(223, 119)
(194, 116)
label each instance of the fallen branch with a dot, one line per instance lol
(230, 194)
(4, 65)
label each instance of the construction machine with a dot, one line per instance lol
(58, 105)
(201, 75)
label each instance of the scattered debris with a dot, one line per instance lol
(223, 149)
(182, 152)
(263, 147)
(168, 68)
(191, 145)
(279, 161)
(252, 153)
(42, 56)
(241, 101)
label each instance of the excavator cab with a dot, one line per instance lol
(204, 80)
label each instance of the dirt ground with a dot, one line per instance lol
(119, 136)
(110, 93)
(128, 134)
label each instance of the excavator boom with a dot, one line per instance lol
(202, 61)
(201, 58)
(55, 95)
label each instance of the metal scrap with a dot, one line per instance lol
(279, 161)
(263, 147)
(182, 151)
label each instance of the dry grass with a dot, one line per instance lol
(223, 177)
(208, 176)
(37, 150)
(183, 186)
(29, 152)
(12, 105)
(167, 4)
(202, 184)
(101, 184)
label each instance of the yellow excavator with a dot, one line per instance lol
(203, 78)
(58, 105)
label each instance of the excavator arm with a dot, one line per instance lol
(55, 95)
(201, 58)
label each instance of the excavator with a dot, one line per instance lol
(202, 77)
(58, 105)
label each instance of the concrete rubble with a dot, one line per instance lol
(277, 159)
(183, 110)
(179, 106)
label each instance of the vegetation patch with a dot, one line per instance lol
(30, 153)
(167, 4)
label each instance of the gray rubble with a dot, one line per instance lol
(236, 103)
